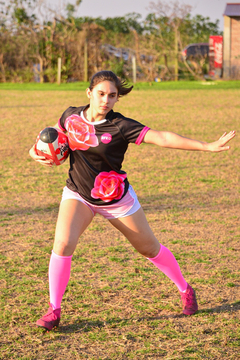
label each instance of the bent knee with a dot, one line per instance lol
(63, 248)
(150, 252)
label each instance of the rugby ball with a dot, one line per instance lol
(52, 143)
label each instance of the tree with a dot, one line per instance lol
(174, 14)
(198, 29)
(34, 34)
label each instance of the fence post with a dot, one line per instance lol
(59, 71)
(134, 69)
(176, 54)
(86, 60)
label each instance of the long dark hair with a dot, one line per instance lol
(105, 75)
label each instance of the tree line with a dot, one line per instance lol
(33, 37)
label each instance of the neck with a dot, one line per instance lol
(93, 116)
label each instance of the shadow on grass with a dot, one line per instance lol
(162, 202)
(221, 309)
(91, 325)
(30, 210)
(87, 326)
(165, 201)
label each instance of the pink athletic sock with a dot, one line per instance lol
(59, 274)
(166, 262)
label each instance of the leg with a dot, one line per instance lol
(73, 218)
(137, 230)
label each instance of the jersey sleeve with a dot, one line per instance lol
(61, 121)
(132, 130)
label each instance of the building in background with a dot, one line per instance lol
(231, 42)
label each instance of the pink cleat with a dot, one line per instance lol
(51, 319)
(189, 301)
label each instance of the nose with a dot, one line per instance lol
(106, 99)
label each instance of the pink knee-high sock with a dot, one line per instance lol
(59, 274)
(166, 262)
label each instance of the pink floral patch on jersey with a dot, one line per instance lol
(109, 186)
(81, 134)
(106, 138)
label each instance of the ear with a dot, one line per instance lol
(88, 91)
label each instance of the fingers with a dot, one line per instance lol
(219, 145)
(38, 158)
(228, 137)
(45, 162)
(224, 134)
(232, 133)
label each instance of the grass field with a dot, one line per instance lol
(117, 304)
(165, 85)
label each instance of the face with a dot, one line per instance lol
(102, 98)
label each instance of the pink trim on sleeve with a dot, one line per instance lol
(141, 135)
(60, 126)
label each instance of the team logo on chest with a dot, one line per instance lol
(106, 138)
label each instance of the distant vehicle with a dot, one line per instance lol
(119, 53)
(123, 53)
(196, 51)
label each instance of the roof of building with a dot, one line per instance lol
(232, 9)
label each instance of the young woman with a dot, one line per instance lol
(98, 139)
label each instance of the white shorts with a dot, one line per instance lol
(128, 205)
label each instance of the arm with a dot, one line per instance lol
(171, 140)
(40, 159)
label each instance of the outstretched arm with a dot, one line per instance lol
(171, 140)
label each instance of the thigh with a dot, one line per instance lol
(73, 218)
(137, 230)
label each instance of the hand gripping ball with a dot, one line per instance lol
(52, 143)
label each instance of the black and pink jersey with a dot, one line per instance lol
(96, 154)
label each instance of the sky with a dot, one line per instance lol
(111, 8)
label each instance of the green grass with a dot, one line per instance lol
(117, 304)
(167, 85)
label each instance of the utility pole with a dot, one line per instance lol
(134, 69)
(86, 60)
(59, 71)
(176, 53)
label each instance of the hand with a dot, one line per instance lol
(219, 145)
(40, 159)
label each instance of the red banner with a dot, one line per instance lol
(216, 51)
